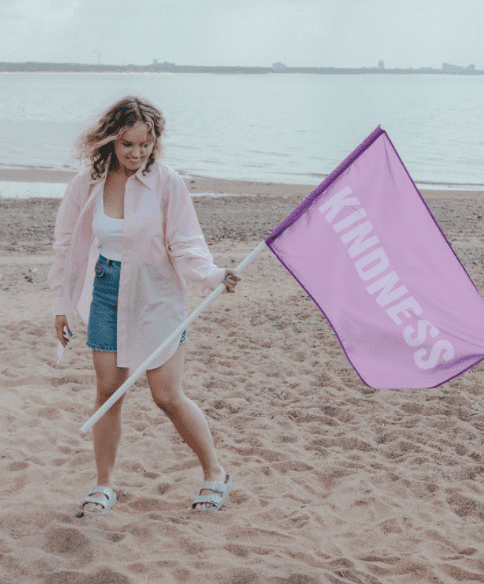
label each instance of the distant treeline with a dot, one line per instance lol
(172, 68)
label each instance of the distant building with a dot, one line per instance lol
(381, 65)
(165, 66)
(451, 68)
(456, 68)
(278, 66)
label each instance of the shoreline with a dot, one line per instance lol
(195, 183)
(238, 211)
(219, 186)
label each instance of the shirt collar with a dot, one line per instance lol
(149, 180)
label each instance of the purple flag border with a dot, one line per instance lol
(308, 201)
(430, 212)
(328, 181)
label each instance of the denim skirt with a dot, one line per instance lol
(103, 322)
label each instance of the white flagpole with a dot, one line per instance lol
(176, 333)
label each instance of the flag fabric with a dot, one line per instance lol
(368, 251)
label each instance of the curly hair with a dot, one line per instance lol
(96, 144)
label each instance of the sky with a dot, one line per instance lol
(313, 33)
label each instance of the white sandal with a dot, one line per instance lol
(222, 489)
(106, 503)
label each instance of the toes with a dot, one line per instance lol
(95, 506)
(203, 506)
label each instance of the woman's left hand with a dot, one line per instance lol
(230, 280)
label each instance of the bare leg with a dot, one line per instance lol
(187, 417)
(107, 432)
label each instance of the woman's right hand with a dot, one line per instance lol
(60, 323)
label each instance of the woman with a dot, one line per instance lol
(129, 210)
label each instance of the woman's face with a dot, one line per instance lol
(134, 147)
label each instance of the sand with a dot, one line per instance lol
(334, 482)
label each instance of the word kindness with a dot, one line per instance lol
(374, 267)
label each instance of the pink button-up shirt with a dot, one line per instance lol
(162, 244)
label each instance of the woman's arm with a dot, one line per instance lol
(66, 219)
(185, 241)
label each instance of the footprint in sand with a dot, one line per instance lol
(68, 541)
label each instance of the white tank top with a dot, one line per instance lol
(109, 231)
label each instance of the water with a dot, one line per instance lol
(274, 128)
(27, 190)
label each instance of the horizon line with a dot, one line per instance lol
(275, 66)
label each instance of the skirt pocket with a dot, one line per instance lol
(100, 270)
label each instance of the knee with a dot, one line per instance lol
(104, 393)
(170, 406)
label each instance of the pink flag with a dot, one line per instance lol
(368, 251)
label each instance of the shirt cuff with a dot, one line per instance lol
(215, 280)
(59, 306)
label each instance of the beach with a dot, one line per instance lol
(333, 482)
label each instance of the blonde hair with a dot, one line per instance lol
(96, 144)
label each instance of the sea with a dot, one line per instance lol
(280, 128)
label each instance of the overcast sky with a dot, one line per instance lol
(346, 33)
